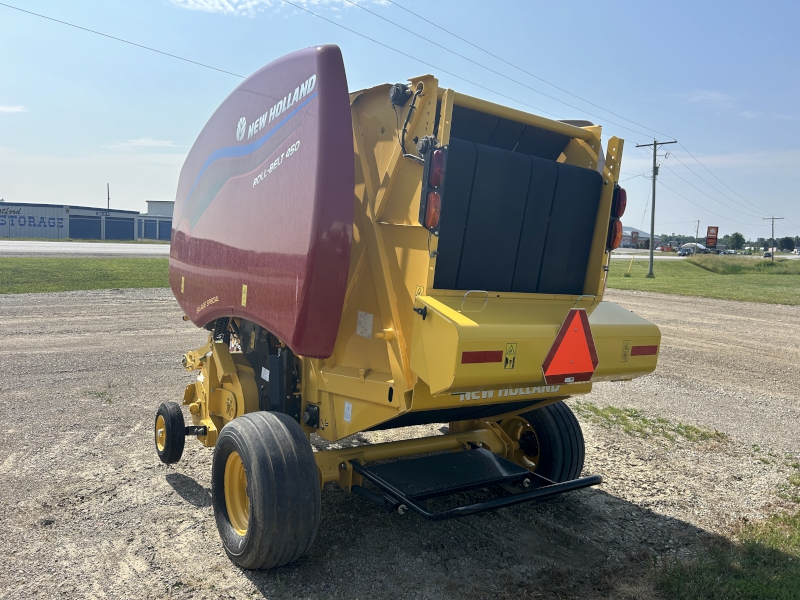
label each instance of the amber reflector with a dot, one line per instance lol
(433, 210)
(616, 234)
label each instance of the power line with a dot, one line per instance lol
(528, 72)
(709, 211)
(571, 94)
(708, 184)
(633, 177)
(720, 180)
(709, 195)
(194, 62)
(702, 192)
(482, 66)
(366, 37)
(434, 67)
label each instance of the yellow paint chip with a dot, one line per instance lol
(182, 282)
(244, 294)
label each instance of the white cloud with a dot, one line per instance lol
(249, 8)
(141, 143)
(712, 98)
(13, 109)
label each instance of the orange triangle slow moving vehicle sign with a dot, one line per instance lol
(573, 357)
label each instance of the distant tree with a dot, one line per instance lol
(797, 241)
(786, 243)
(736, 241)
(762, 243)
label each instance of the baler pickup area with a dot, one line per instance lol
(406, 484)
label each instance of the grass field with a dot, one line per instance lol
(764, 562)
(723, 277)
(763, 558)
(25, 275)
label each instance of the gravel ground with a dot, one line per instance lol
(87, 510)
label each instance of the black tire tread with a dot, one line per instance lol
(283, 486)
(561, 444)
(176, 436)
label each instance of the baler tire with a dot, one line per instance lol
(561, 445)
(274, 462)
(170, 435)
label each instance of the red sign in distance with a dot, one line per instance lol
(711, 237)
(573, 357)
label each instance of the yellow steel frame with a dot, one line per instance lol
(224, 389)
(386, 360)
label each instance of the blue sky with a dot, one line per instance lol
(78, 110)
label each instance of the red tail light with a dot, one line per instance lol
(433, 210)
(619, 203)
(615, 235)
(436, 172)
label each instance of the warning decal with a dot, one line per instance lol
(511, 356)
(572, 357)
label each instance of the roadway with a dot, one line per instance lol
(74, 249)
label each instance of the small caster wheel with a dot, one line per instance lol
(169, 432)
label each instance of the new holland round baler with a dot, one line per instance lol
(397, 256)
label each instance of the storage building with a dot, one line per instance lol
(59, 221)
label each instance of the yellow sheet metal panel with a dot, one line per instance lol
(617, 331)
(523, 117)
(514, 336)
(383, 344)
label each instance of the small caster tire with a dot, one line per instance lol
(170, 433)
(265, 490)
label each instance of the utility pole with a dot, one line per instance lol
(108, 190)
(696, 235)
(655, 146)
(774, 245)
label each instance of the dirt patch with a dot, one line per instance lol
(87, 509)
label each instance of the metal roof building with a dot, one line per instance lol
(59, 221)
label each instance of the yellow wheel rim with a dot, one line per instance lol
(161, 434)
(521, 432)
(236, 499)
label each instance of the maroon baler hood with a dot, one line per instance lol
(265, 200)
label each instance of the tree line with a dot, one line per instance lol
(735, 241)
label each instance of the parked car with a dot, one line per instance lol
(685, 252)
(731, 251)
(767, 254)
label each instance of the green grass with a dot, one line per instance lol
(791, 490)
(632, 422)
(726, 278)
(738, 265)
(764, 562)
(25, 275)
